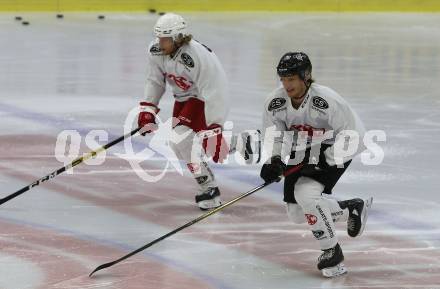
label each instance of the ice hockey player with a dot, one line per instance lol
(198, 84)
(304, 112)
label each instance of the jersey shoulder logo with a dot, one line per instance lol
(276, 103)
(319, 102)
(155, 49)
(187, 60)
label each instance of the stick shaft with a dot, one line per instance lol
(204, 216)
(65, 168)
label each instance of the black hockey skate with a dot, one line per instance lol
(330, 262)
(358, 213)
(209, 199)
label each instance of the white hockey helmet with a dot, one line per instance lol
(170, 25)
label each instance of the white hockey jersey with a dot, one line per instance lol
(322, 111)
(193, 71)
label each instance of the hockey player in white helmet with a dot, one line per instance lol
(303, 112)
(199, 85)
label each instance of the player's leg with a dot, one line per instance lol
(353, 211)
(318, 215)
(295, 212)
(189, 118)
(188, 149)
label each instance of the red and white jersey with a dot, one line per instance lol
(194, 71)
(322, 110)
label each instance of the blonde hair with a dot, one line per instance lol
(182, 39)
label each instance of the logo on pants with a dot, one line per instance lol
(201, 180)
(193, 167)
(319, 234)
(326, 222)
(311, 219)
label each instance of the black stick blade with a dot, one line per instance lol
(103, 266)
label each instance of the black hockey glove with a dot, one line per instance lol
(272, 171)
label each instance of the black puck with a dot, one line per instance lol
(18, 18)
(25, 23)
(101, 17)
(162, 13)
(152, 11)
(60, 16)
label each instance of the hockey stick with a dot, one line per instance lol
(242, 196)
(71, 165)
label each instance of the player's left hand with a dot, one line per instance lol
(214, 144)
(271, 171)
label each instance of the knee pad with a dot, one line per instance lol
(185, 144)
(307, 192)
(316, 210)
(295, 213)
(319, 218)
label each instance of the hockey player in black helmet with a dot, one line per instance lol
(295, 63)
(295, 72)
(303, 108)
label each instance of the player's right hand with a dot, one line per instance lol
(147, 117)
(271, 172)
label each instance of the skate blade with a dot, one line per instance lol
(338, 270)
(364, 215)
(210, 204)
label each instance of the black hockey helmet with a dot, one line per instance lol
(295, 63)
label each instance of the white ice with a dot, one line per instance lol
(83, 73)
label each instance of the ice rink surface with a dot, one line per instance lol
(84, 74)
